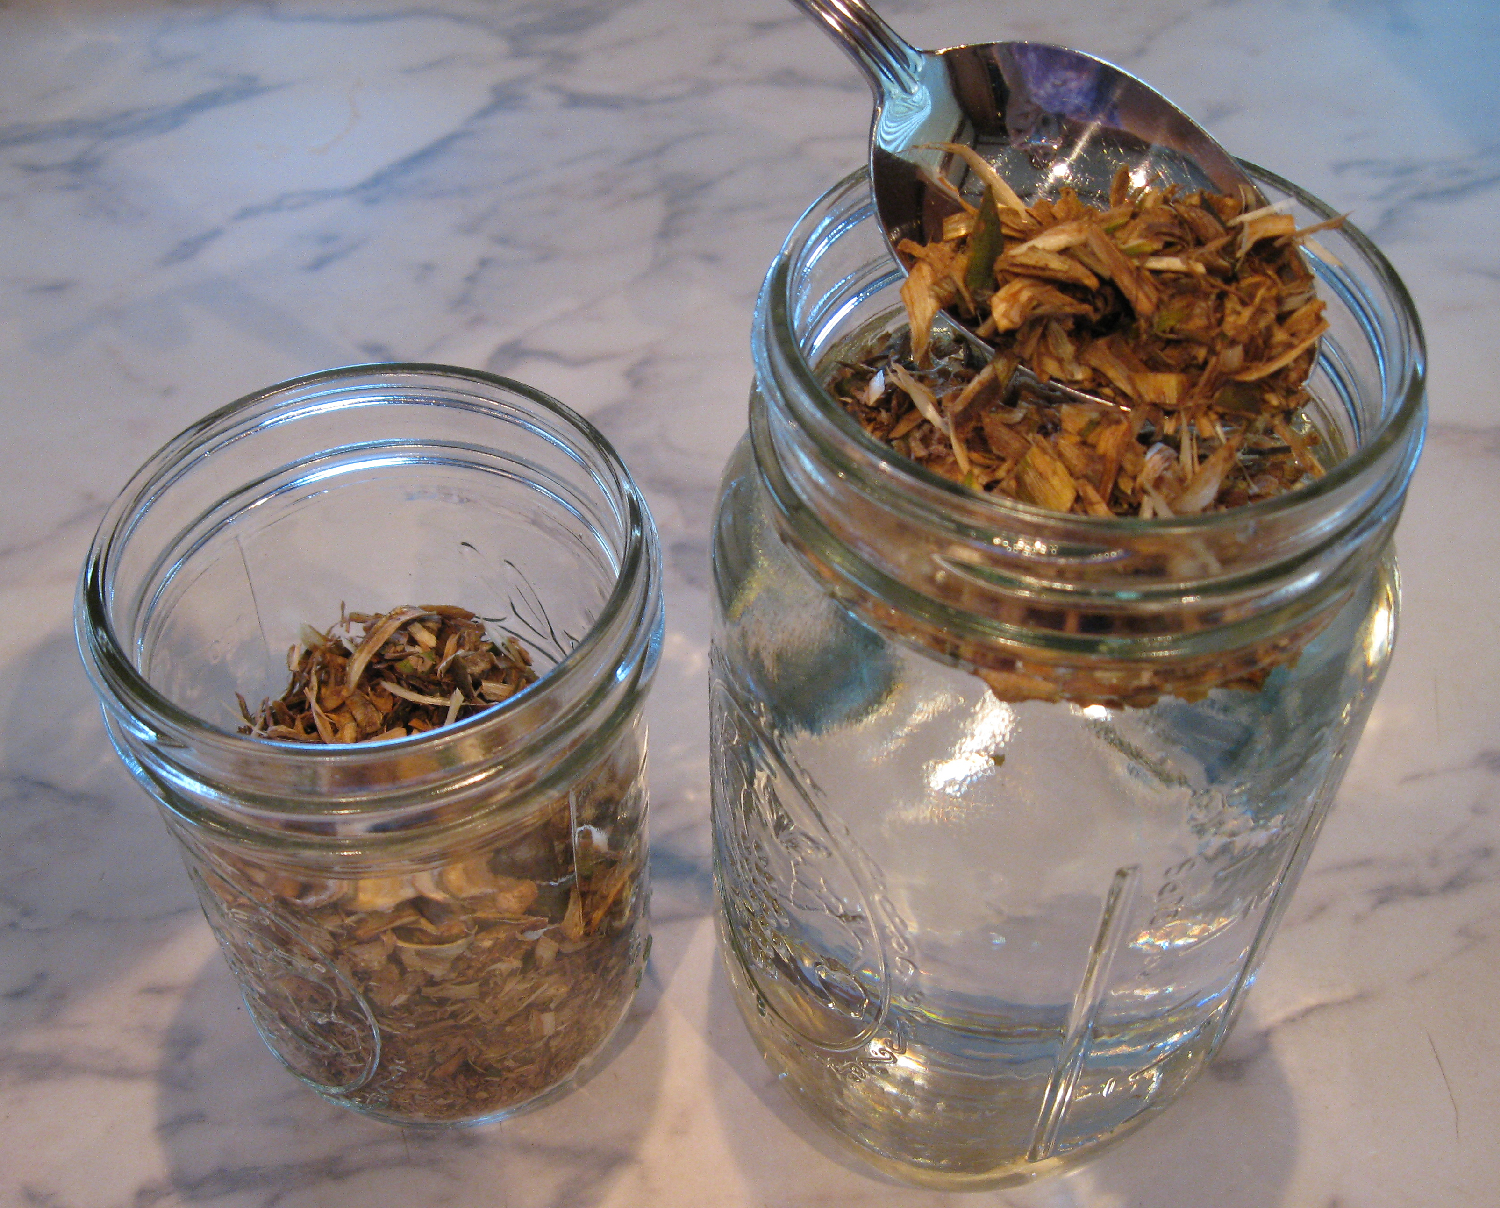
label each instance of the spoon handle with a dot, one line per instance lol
(891, 64)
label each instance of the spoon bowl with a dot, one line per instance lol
(1046, 118)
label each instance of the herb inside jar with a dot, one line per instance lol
(1195, 321)
(488, 972)
(411, 670)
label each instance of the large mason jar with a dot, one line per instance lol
(1007, 803)
(439, 927)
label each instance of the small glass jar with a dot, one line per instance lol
(1007, 803)
(430, 929)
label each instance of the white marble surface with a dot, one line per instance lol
(197, 199)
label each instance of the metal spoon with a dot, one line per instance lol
(1043, 116)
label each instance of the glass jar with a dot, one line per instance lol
(1007, 803)
(437, 928)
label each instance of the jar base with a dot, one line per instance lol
(615, 1039)
(929, 1157)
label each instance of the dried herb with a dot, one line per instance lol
(470, 980)
(408, 670)
(1194, 320)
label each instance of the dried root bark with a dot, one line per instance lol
(454, 983)
(1195, 321)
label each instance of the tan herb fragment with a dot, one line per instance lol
(1196, 322)
(488, 971)
(385, 682)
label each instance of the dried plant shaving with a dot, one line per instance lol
(488, 973)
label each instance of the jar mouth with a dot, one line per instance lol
(621, 641)
(906, 485)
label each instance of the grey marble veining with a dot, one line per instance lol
(198, 199)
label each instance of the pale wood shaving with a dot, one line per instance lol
(491, 969)
(1197, 319)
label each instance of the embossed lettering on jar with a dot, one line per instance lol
(984, 926)
(431, 929)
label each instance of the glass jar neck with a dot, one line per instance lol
(442, 782)
(942, 564)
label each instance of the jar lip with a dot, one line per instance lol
(838, 434)
(115, 673)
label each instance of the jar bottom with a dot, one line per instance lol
(590, 1064)
(933, 1153)
(477, 1029)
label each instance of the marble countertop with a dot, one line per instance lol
(200, 198)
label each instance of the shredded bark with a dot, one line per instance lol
(1194, 322)
(1194, 326)
(386, 676)
(475, 979)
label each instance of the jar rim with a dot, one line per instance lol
(634, 594)
(839, 436)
